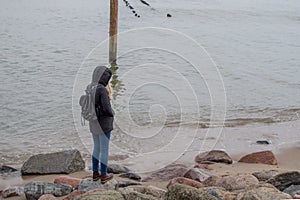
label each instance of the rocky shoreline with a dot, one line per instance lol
(61, 175)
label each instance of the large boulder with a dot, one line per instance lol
(64, 162)
(292, 190)
(100, 194)
(185, 181)
(167, 173)
(262, 192)
(35, 190)
(217, 156)
(74, 182)
(262, 157)
(237, 181)
(197, 174)
(184, 192)
(284, 180)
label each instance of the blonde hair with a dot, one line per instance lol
(109, 91)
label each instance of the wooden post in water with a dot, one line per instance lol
(113, 31)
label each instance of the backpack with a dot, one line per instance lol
(87, 103)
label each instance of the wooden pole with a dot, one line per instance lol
(113, 31)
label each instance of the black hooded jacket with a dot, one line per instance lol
(105, 113)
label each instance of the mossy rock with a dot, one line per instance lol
(184, 192)
(100, 195)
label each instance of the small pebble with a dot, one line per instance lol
(264, 141)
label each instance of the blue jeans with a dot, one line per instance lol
(100, 152)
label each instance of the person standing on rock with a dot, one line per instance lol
(101, 128)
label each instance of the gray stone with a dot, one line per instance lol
(167, 173)
(64, 162)
(262, 192)
(184, 192)
(220, 193)
(197, 174)
(100, 194)
(131, 175)
(214, 193)
(111, 185)
(12, 191)
(133, 195)
(292, 190)
(185, 181)
(117, 169)
(88, 184)
(148, 190)
(35, 190)
(284, 180)
(264, 175)
(237, 181)
(123, 184)
(217, 156)
(7, 169)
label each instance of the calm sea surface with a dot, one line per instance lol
(256, 45)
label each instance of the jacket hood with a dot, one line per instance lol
(101, 75)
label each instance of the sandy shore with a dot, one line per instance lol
(287, 161)
(285, 145)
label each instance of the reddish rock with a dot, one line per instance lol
(237, 182)
(47, 197)
(74, 182)
(262, 157)
(168, 172)
(197, 174)
(213, 156)
(185, 181)
(73, 194)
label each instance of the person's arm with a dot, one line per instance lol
(105, 103)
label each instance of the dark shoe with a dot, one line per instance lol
(106, 177)
(96, 176)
